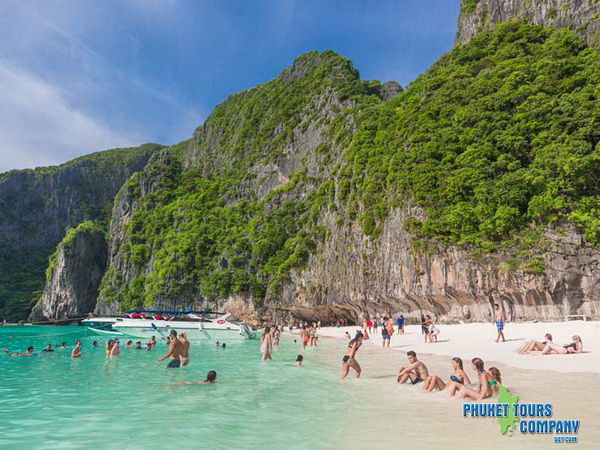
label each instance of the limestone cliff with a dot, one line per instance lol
(74, 275)
(580, 15)
(38, 206)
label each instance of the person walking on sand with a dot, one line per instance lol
(486, 384)
(574, 347)
(499, 318)
(386, 338)
(349, 359)
(458, 377)
(185, 353)
(266, 344)
(415, 371)
(76, 353)
(175, 351)
(400, 324)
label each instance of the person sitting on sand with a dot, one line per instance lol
(76, 353)
(499, 318)
(185, 353)
(486, 383)
(533, 345)
(175, 351)
(349, 359)
(416, 371)
(299, 360)
(266, 344)
(574, 347)
(458, 376)
(495, 373)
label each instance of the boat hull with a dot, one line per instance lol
(193, 331)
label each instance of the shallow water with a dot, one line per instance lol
(52, 401)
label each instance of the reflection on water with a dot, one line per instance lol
(51, 401)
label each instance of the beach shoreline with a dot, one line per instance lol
(471, 340)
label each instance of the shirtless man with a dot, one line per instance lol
(415, 371)
(185, 354)
(499, 318)
(176, 349)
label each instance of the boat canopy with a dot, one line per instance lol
(171, 313)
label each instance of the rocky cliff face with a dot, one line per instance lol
(37, 206)
(580, 15)
(74, 277)
(389, 274)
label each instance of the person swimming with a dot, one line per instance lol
(109, 346)
(211, 378)
(76, 352)
(459, 377)
(415, 371)
(115, 350)
(48, 348)
(128, 345)
(349, 359)
(138, 345)
(95, 344)
(299, 360)
(29, 352)
(574, 347)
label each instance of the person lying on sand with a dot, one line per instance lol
(459, 377)
(486, 383)
(416, 371)
(534, 346)
(574, 347)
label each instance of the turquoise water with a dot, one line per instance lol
(52, 401)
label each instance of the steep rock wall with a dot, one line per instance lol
(72, 286)
(387, 275)
(478, 15)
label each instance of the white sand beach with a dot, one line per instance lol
(471, 340)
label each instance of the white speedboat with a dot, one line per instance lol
(197, 325)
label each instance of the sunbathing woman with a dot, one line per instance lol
(486, 383)
(458, 377)
(534, 346)
(574, 347)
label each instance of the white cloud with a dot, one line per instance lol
(39, 127)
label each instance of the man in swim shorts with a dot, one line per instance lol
(499, 318)
(176, 350)
(416, 371)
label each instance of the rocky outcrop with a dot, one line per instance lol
(389, 274)
(37, 206)
(478, 15)
(74, 276)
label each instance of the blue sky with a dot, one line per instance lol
(77, 76)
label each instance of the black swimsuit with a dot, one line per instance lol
(573, 346)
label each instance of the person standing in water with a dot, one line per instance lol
(185, 354)
(499, 318)
(349, 359)
(385, 335)
(175, 351)
(299, 360)
(115, 350)
(266, 344)
(76, 353)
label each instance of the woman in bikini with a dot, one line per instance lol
(458, 378)
(109, 346)
(574, 347)
(534, 346)
(76, 353)
(185, 354)
(486, 383)
(349, 358)
(266, 344)
(495, 373)
(115, 350)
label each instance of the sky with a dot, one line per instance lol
(78, 76)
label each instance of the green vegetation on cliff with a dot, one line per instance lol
(500, 135)
(496, 141)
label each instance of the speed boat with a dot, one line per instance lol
(198, 325)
